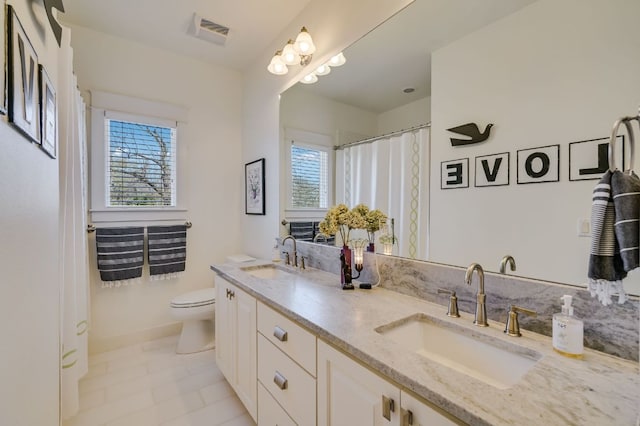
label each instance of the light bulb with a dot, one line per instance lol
(309, 79)
(304, 44)
(337, 60)
(323, 70)
(289, 54)
(277, 66)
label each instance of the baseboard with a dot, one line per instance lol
(110, 343)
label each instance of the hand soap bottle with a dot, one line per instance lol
(275, 252)
(568, 331)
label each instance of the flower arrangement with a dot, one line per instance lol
(339, 219)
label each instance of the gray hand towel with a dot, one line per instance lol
(625, 190)
(120, 253)
(167, 249)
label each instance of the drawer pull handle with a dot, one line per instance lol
(388, 407)
(280, 381)
(280, 334)
(407, 417)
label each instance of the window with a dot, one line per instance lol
(309, 177)
(137, 159)
(141, 164)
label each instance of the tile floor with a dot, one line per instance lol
(148, 384)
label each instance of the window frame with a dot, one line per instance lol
(119, 107)
(315, 141)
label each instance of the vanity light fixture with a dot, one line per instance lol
(277, 65)
(309, 79)
(289, 54)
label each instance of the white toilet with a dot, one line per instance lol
(196, 310)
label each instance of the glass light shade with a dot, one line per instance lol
(323, 70)
(304, 44)
(277, 66)
(309, 79)
(289, 54)
(387, 248)
(358, 255)
(337, 60)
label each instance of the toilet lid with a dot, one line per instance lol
(195, 298)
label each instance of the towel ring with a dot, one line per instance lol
(612, 142)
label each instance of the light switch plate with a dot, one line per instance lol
(584, 227)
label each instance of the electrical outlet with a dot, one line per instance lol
(584, 227)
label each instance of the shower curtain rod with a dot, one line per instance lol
(376, 138)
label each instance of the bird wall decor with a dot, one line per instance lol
(471, 130)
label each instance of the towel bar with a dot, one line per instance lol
(91, 228)
(612, 142)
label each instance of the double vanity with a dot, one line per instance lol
(297, 349)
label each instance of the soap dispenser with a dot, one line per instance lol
(275, 252)
(568, 331)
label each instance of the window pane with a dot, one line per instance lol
(309, 177)
(141, 167)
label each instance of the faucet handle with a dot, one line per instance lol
(512, 328)
(452, 309)
(302, 258)
(287, 260)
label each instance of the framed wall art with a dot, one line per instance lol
(254, 187)
(48, 114)
(23, 87)
(3, 58)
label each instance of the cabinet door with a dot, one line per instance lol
(350, 394)
(246, 377)
(270, 413)
(224, 329)
(417, 413)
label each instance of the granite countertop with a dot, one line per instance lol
(597, 390)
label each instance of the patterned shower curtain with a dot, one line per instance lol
(74, 294)
(392, 175)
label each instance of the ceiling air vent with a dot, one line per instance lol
(208, 30)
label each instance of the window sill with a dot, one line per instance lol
(136, 214)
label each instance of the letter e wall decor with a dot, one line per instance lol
(454, 174)
(537, 165)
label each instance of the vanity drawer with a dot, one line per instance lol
(289, 337)
(270, 413)
(287, 382)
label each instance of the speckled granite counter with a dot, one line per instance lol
(597, 390)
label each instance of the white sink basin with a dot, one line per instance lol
(269, 272)
(493, 361)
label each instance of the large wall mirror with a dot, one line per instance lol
(550, 76)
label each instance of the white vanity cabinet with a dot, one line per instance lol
(286, 371)
(236, 351)
(349, 393)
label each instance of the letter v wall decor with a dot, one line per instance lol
(23, 80)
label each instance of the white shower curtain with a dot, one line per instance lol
(73, 232)
(392, 175)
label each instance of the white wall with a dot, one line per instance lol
(214, 172)
(29, 243)
(334, 25)
(403, 117)
(553, 73)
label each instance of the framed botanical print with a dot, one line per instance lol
(23, 87)
(254, 187)
(48, 114)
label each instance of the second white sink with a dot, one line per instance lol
(493, 361)
(268, 272)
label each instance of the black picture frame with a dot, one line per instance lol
(549, 172)
(462, 173)
(585, 158)
(3, 58)
(254, 188)
(48, 114)
(500, 179)
(23, 80)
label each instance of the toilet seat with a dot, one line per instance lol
(195, 299)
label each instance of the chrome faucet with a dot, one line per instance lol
(503, 264)
(481, 308)
(295, 252)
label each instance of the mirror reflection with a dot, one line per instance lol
(551, 77)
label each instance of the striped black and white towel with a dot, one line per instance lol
(614, 234)
(120, 254)
(167, 250)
